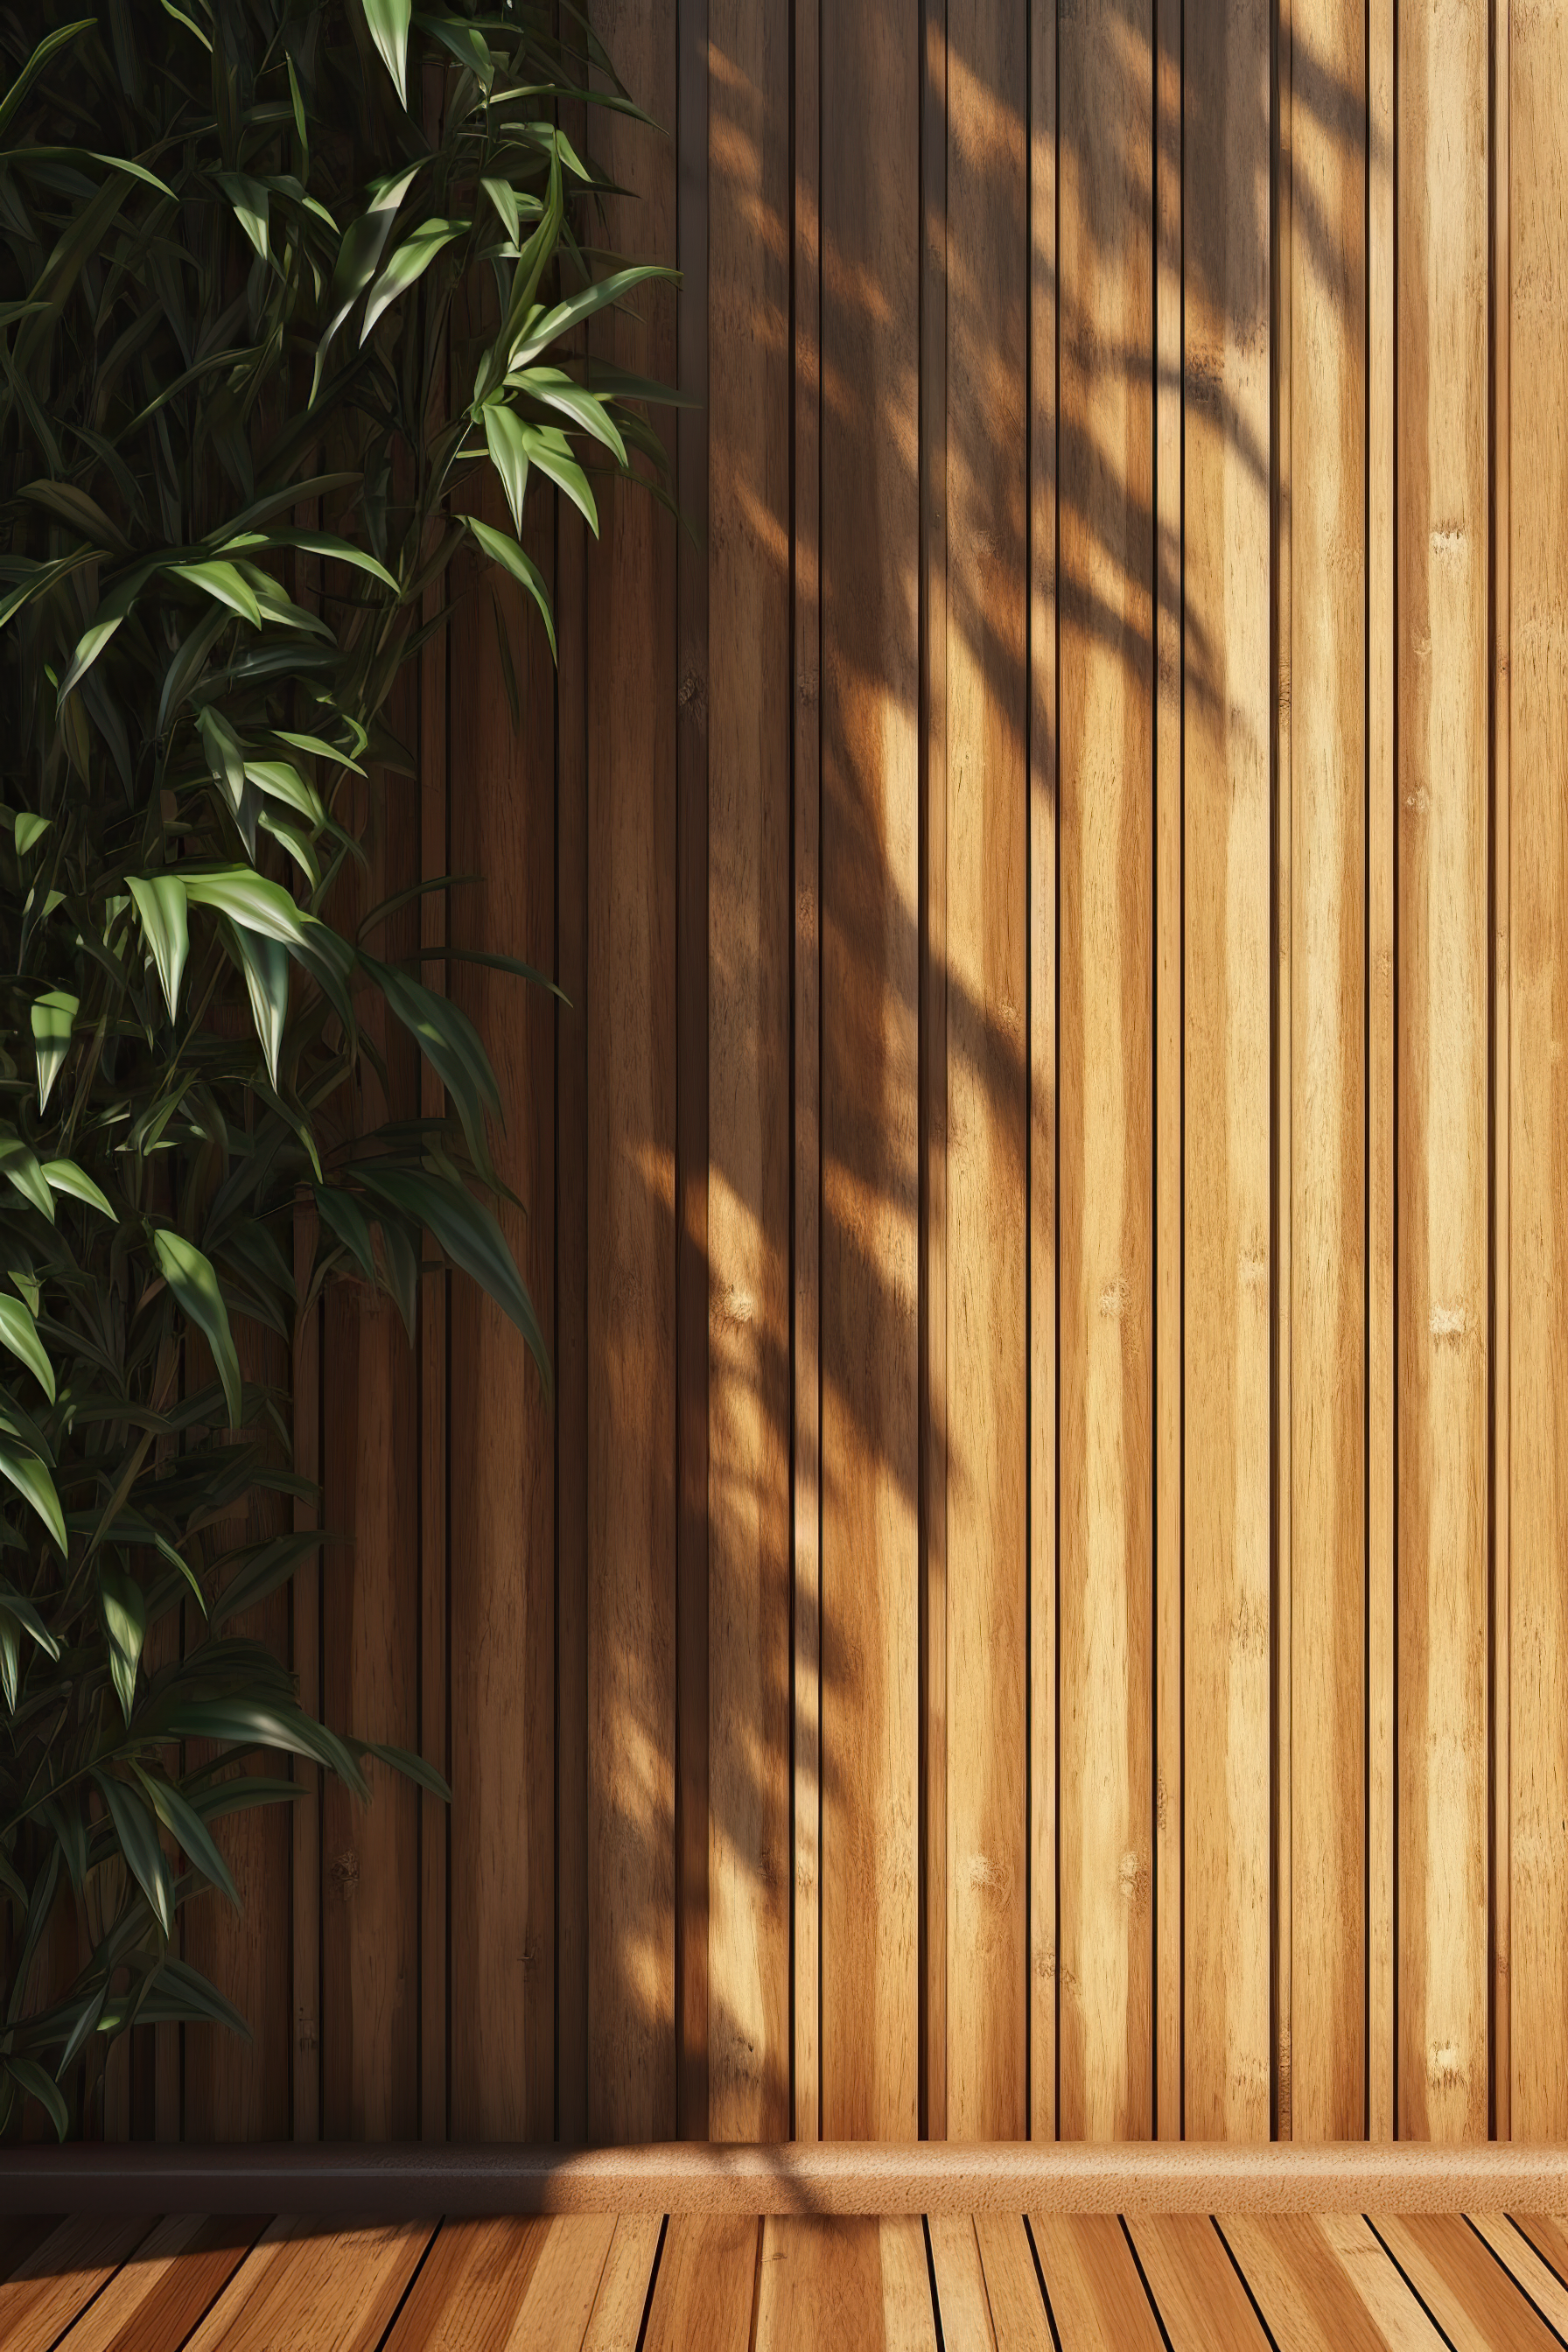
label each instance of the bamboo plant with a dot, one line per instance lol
(278, 278)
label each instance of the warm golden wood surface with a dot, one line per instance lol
(725, 2283)
(1037, 1609)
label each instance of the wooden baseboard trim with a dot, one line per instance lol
(845, 2178)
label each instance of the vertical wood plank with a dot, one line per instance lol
(806, 1079)
(1442, 527)
(694, 1290)
(1538, 1106)
(435, 1431)
(631, 1205)
(986, 782)
(1501, 1092)
(934, 1316)
(1326, 1386)
(1382, 1108)
(571, 1338)
(871, 1699)
(1169, 545)
(1228, 710)
(1044, 802)
(500, 1575)
(749, 920)
(1106, 1075)
(1282, 1255)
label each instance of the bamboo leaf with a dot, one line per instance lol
(31, 1481)
(188, 1829)
(470, 1237)
(509, 451)
(387, 24)
(137, 1834)
(409, 264)
(190, 1277)
(553, 324)
(247, 897)
(64, 1176)
(125, 1613)
(266, 967)
(51, 1016)
(19, 1162)
(20, 1334)
(161, 903)
(31, 2077)
(226, 584)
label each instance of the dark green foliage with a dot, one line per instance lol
(254, 255)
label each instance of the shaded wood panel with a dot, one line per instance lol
(870, 1568)
(1229, 1281)
(1104, 1597)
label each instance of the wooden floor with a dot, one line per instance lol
(689, 2284)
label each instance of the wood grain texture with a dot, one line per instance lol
(1325, 694)
(158, 2295)
(987, 785)
(1528, 1388)
(749, 1079)
(1499, 911)
(846, 2286)
(1463, 2287)
(1525, 2265)
(506, 2283)
(1097, 2299)
(1043, 804)
(962, 2301)
(1228, 720)
(1381, 1097)
(1548, 2233)
(1105, 1082)
(1309, 2299)
(305, 1656)
(706, 2288)
(1444, 987)
(1168, 1050)
(630, 1176)
(500, 1576)
(870, 1144)
(60, 2279)
(1202, 2304)
(625, 2285)
(307, 2282)
(805, 713)
(1379, 2283)
(1012, 2284)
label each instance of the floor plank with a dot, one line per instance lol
(168, 2285)
(706, 2286)
(1311, 2301)
(1013, 2283)
(625, 2285)
(1520, 2258)
(1464, 2287)
(844, 2286)
(1098, 2300)
(961, 2299)
(1384, 2292)
(61, 2276)
(21, 2235)
(506, 2280)
(1202, 2303)
(308, 2285)
(1548, 2233)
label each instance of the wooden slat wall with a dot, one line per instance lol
(1037, 1607)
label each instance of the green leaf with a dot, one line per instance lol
(161, 903)
(249, 200)
(226, 753)
(412, 1768)
(318, 542)
(265, 1568)
(553, 324)
(547, 447)
(509, 455)
(31, 2077)
(387, 24)
(31, 1481)
(137, 1832)
(503, 197)
(318, 748)
(52, 1016)
(49, 47)
(408, 264)
(10, 1658)
(365, 240)
(18, 1606)
(30, 829)
(124, 1612)
(20, 1333)
(244, 1722)
(470, 1237)
(265, 966)
(346, 1221)
(504, 550)
(64, 1176)
(224, 582)
(190, 1832)
(554, 388)
(19, 1162)
(449, 1042)
(111, 613)
(281, 781)
(246, 897)
(190, 1277)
